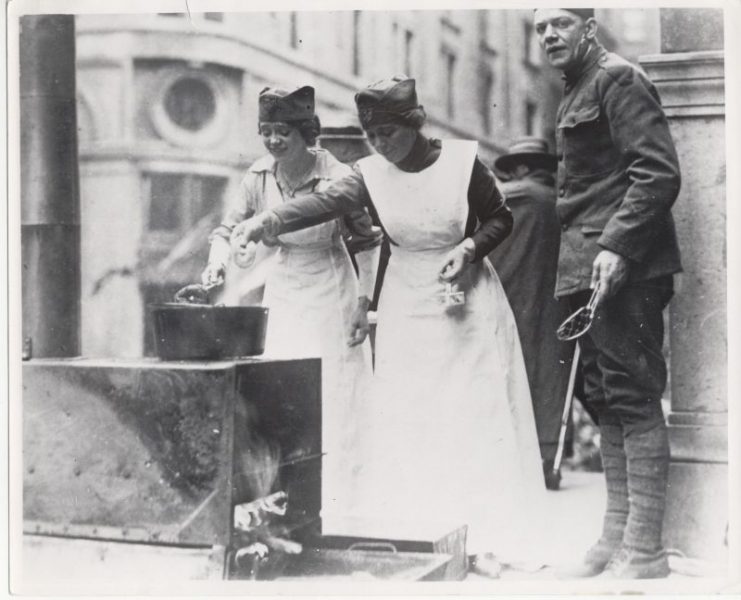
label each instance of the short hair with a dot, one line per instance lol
(413, 118)
(416, 118)
(309, 129)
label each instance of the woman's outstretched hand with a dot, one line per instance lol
(359, 325)
(456, 261)
(262, 227)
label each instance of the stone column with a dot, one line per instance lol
(689, 75)
(50, 201)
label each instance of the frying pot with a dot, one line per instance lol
(201, 331)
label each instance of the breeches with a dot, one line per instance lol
(624, 367)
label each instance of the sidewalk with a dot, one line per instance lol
(575, 515)
(574, 522)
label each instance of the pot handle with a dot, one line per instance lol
(385, 546)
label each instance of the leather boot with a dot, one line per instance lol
(635, 564)
(594, 562)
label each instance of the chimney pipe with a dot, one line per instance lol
(50, 201)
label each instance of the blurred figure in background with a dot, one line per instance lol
(526, 262)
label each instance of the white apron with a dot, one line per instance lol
(311, 290)
(449, 434)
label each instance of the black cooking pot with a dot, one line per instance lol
(205, 332)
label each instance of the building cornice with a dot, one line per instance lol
(155, 155)
(223, 48)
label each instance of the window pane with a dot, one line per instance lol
(531, 46)
(190, 103)
(449, 60)
(487, 99)
(408, 43)
(293, 30)
(530, 113)
(165, 202)
(356, 41)
(207, 195)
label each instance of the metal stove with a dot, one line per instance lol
(199, 470)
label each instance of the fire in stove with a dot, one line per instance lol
(260, 536)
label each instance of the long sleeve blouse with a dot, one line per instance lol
(489, 219)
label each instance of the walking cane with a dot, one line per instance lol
(571, 329)
(567, 409)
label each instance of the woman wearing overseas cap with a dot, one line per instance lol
(318, 307)
(448, 434)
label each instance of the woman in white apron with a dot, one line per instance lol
(448, 434)
(317, 306)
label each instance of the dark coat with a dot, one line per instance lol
(618, 173)
(526, 262)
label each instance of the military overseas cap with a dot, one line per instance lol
(530, 150)
(387, 101)
(281, 105)
(584, 13)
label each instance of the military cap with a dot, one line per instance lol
(277, 104)
(387, 101)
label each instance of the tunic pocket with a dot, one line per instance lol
(587, 145)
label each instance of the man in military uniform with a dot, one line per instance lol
(618, 176)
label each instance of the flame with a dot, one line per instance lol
(257, 459)
(260, 534)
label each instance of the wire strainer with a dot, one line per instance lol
(578, 323)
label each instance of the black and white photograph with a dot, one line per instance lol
(367, 299)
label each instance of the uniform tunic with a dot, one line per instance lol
(618, 173)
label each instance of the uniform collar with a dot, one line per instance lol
(596, 52)
(320, 170)
(424, 152)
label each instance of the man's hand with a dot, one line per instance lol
(359, 325)
(610, 270)
(456, 260)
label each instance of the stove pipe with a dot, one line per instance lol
(50, 201)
